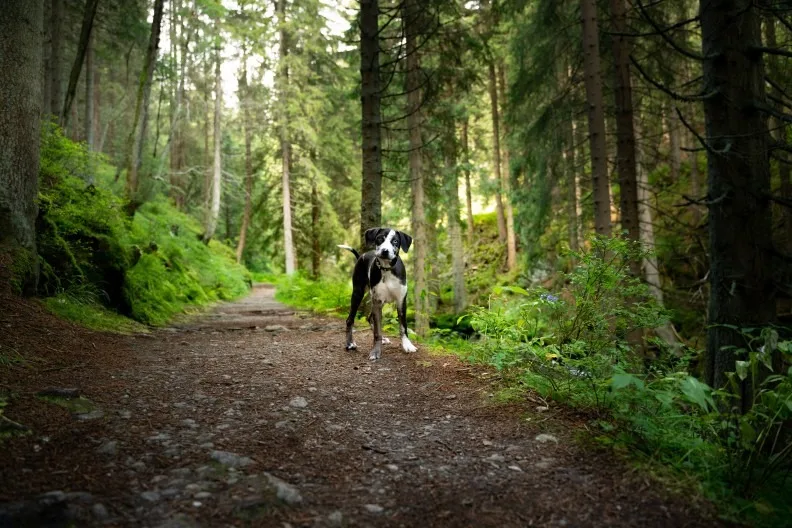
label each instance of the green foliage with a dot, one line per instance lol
(324, 296)
(96, 260)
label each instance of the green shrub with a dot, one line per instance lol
(324, 296)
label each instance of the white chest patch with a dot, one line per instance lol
(389, 289)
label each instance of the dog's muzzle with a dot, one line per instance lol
(385, 265)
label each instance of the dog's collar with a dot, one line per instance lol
(379, 264)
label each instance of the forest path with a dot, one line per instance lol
(255, 415)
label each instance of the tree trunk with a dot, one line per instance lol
(741, 285)
(244, 99)
(784, 237)
(90, 125)
(511, 237)
(370, 93)
(20, 105)
(695, 181)
(454, 225)
(496, 153)
(316, 249)
(283, 82)
(674, 141)
(625, 131)
(137, 136)
(56, 58)
(596, 118)
(572, 187)
(217, 136)
(411, 14)
(468, 190)
(176, 190)
(82, 50)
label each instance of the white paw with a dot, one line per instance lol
(385, 341)
(374, 356)
(407, 345)
(352, 346)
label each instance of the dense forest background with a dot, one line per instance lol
(599, 192)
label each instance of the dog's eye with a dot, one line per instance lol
(395, 243)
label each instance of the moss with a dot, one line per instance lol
(23, 270)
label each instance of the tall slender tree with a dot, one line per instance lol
(245, 102)
(511, 237)
(370, 95)
(217, 136)
(596, 117)
(55, 73)
(82, 50)
(285, 140)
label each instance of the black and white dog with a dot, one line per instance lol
(382, 271)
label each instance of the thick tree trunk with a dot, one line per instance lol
(56, 58)
(285, 142)
(137, 136)
(82, 50)
(596, 118)
(454, 225)
(468, 190)
(217, 136)
(784, 236)
(625, 131)
(411, 14)
(244, 98)
(741, 285)
(496, 153)
(511, 236)
(20, 105)
(371, 183)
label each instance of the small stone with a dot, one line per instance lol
(275, 328)
(189, 422)
(496, 458)
(284, 491)
(202, 495)
(93, 415)
(335, 519)
(181, 472)
(100, 512)
(52, 497)
(231, 459)
(109, 448)
(542, 408)
(161, 437)
(60, 392)
(515, 468)
(150, 496)
(169, 493)
(392, 467)
(126, 415)
(374, 508)
(451, 397)
(79, 496)
(544, 463)
(544, 438)
(298, 402)
(486, 442)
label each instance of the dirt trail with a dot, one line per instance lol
(255, 415)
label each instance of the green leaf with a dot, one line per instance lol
(698, 393)
(622, 380)
(515, 289)
(742, 369)
(747, 432)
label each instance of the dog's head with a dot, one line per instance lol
(387, 242)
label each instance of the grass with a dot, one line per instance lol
(91, 315)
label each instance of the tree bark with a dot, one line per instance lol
(511, 236)
(468, 190)
(370, 95)
(572, 186)
(454, 225)
(21, 22)
(625, 131)
(674, 141)
(316, 248)
(496, 153)
(411, 14)
(90, 132)
(82, 49)
(596, 118)
(177, 42)
(217, 136)
(137, 135)
(56, 58)
(244, 98)
(283, 82)
(741, 285)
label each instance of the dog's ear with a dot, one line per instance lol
(371, 236)
(404, 241)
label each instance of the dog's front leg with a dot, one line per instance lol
(376, 327)
(402, 311)
(357, 296)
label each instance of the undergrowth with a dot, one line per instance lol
(100, 266)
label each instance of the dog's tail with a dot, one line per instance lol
(350, 248)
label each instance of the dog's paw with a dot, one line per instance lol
(385, 340)
(407, 345)
(351, 346)
(375, 354)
